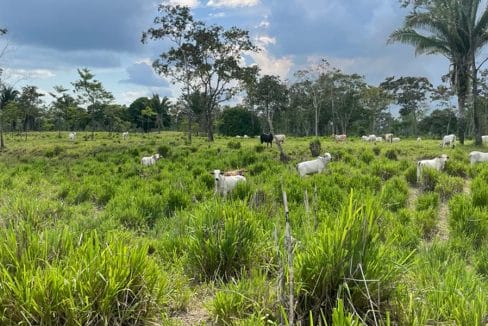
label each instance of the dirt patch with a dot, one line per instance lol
(413, 193)
(467, 186)
(442, 223)
(196, 313)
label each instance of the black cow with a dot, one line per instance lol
(267, 138)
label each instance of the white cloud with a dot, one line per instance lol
(265, 40)
(263, 24)
(186, 3)
(217, 15)
(272, 66)
(130, 96)
(146, 61)
(232, 3)
(21, 74)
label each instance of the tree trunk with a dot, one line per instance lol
(283, 157)
(477, 118)
(208, 118)
(190, 121)
(462, 91)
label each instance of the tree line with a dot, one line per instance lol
(207, 62)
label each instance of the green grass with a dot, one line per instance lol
(88, 235)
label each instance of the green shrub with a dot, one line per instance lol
(366, 156)
(456, 168)
(394, 194)
(242, 299)
(315, 147)
(411, 175)
(391, 154)
(224, 241)
(376, 150)
(345, 247)
(164, 151)
(70, 280)
(468, 221)
(479, 192)
(429, 179)
(259, 148)
(448, 186)
(234, 144)
(427, 219)
(427, 200)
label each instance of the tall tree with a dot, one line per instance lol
(437, 27)
(90, 92)
(410, 93)
(61, 106)
(161, 107)
(375, 101)
(271, 96)
(203, 58)
(7, 94)
(30, 100)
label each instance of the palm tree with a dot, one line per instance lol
(161, 107)
(7, 94)
(457, 30)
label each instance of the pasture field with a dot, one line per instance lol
(89, 236)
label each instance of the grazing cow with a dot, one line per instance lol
(340, 138)
(379, 139)
(395, 140)
(484, 139)
(125, 135)
(448, 140)
(224, 184)
(280, 138)
(419, 139)
(475, 157)
(72, 136)
(389, 138)
(246, 136)
(313, 166)
(150, 160)
(365, 138)
(436, 163)
(372, 138)
(267, 138)
(238, 136)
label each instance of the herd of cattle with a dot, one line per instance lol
(226, 181)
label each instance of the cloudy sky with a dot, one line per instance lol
(48, 40)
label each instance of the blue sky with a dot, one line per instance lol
(49, 39)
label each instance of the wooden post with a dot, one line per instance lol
(289, 250)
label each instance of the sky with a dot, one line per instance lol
(49, 40)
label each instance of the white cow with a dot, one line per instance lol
(72, 136)
(280, 138)
(419, 139)
(437, 163)
(313, 166)
(225, 184)
(484, 139)
(395, 140)
(238, 136)
(342, 137)
(125, 135)
(372, 138)
(150, 160)
(246, 136)
(365, 138)
(389, 138)
(448, 140)
(475, 157)
(379, 139)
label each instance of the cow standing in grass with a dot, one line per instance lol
(267, 138)
(224, 184)
(437, 163)
(313, 166)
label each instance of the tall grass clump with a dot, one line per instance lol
(55, 278)
(315, 147)
(341, 258)
(225, 240)
(448, 186)
(394, 194)
(468, 221)
(240, 299)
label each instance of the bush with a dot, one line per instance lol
(334, 254)
(448, 186)
(467, 221)
(60, 279)
(376, 150)
(429, 179)
(394, 194)
(259, 148)
(366, 156)
(242, 299)
(164, 151)
(411, 175)
(315, 147)
(391, 154)
(224, 241)
(479, 192)
(428, 200)
(456, 168)
(234, 144)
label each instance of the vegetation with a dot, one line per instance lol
(91, 236)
